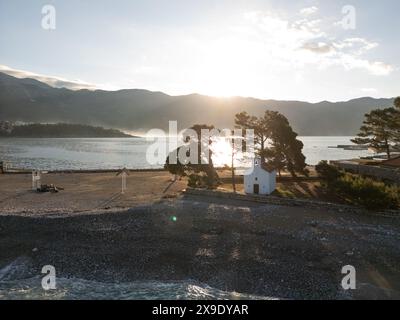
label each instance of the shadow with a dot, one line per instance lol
(169, 185)
(108, 201)
(238, 246)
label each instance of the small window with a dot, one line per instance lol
(256, 179)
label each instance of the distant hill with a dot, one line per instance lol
(32, 101)
(61, 130)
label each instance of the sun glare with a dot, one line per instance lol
(224, 71)
(222, 152)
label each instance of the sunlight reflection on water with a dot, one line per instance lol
(111, 153)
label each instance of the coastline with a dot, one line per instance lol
(90, 232)
(273, 251)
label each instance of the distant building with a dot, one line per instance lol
(260, 179)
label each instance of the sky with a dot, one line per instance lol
(304, 50)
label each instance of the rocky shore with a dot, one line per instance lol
(257, 249)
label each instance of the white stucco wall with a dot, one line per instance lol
(257, 175)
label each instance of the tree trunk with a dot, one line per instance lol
(262, 150)
(233, 180)
(387, 148)
(233, 168)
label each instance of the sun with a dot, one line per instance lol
(222, 152)
(221, 148)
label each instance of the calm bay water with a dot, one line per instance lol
(111, 153)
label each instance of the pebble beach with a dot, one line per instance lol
(234, 246)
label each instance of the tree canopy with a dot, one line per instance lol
(200, 170)
(276, 142)
(397, 103)
(380, 129)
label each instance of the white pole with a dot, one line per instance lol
(123, 182)
(33, 180)
(36, 176)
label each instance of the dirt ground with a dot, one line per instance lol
(97, 191)
(312, 190)
(84, 191)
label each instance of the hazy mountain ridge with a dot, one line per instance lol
(136, 109)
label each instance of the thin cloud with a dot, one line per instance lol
(377, 68)
(319, 47)
(369, 90)
(358, 45)
(304, 42)
(52, 81)
(309, 11)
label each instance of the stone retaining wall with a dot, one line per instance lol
(239, 179)
(273, 200)
(370, 171)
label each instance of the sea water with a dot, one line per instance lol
(112, 153)
(18, 282)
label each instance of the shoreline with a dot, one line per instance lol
(263, 250)
(154, 232)
(27, 171)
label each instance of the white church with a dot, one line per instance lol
(259, 179)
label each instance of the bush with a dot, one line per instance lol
(193, 181)
(327, 172)
(373, 195)
(367, 192)
(201, 181)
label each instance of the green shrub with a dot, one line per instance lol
(372, 194)
(327, 172)
(201, 181)
(193, 180)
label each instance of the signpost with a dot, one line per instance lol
(123, 173)
(36, 177)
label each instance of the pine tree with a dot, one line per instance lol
(397, 122)
(244, 121)
(380, 130)
(397, 103)
(275, 141)
(285, 151)
(199, 173)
